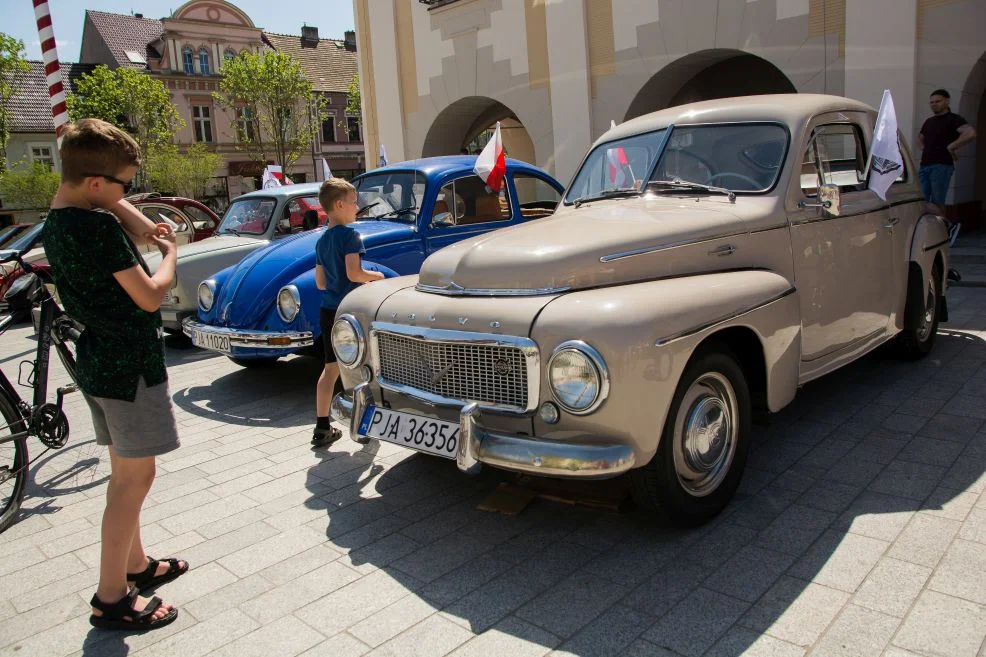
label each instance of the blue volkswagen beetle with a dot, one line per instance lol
(267, 305)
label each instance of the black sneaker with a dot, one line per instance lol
(325, 437)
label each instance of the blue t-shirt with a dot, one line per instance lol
(330, 252)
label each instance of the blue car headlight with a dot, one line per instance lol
(207, 294)
(288, 303)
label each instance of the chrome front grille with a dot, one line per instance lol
(454, 368)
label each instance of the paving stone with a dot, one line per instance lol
(925, 540)
(573, 603)
(795, 611)
(380, 553)
(974, 527)
(720, 544)
(857, 632)
(749, 573)
(229, 542)
(877, 516)
(830, 496)
(741, 641)
(660, 593)
(202, 638)
(840, 561)
(454, 585)
(194, 518)
(962, 572)
(931, 451)
(967, 473)
(943, 625)
(229, 596)
(967, 406)
(13, 562)
(433, 636)
(795, 529)
(391, 620)
(904, 423)
(264, 553)
(696, 622)
(556, 562)
(913, 481)
(487, 605)
(285, 637)
(40, 574)
(40, 619)
(641, 648)
(341, 645)
(854, 471)
(951, 427)
(297, 593)
(609, 634)
(352, 603)
(892, 586)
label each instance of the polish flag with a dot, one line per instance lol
(618, 164)
(272, 176)
(491, 165)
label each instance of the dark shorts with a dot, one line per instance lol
(934, 179)
(326, 318)
(138, 429)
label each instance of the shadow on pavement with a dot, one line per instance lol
(831, 484)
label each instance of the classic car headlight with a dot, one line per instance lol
(347, 340)
(207, 294)
(288, 303)
(578, 377)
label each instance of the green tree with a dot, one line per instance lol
(272, 105)
(29, 186)
(353, 106)
(129, 99)
(12, 68)
(185, 174)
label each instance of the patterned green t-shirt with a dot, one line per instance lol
(121, 342)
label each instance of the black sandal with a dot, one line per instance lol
(121, 615)
(147, 580)
(325, 437)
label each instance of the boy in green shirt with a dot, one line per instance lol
(104, 283)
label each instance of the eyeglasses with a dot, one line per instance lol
(127, 186)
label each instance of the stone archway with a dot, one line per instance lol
(464, 122)
(706, 75)
(969, 183)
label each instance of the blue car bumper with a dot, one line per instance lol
(246, 343)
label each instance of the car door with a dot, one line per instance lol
(843, 264)
(158, 213)
(204, 222)
(464, 207)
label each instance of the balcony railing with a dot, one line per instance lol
(434, 4)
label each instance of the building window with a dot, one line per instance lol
(187, 60)
(42, 153)
(204, 61)
(229, 55)
(329, 128)
(352, 124)
(202, 120)
(244, 124)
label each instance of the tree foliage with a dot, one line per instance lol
(353, 103)
(185, 174)
(29, 186)
(281, 109)
(131, 100)
(12, 68)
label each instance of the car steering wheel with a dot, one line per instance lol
(750, 181)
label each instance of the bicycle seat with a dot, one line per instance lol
(26, 290)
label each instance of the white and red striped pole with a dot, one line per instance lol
(53, 70)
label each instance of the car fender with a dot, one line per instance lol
(647, 332)
(930, 239)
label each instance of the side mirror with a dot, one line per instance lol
(442, 219)
(284, 225)
(829, 195)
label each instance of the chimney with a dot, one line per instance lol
(309, 36)
(350, 40)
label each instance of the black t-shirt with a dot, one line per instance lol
(121, 342)
(939, 131)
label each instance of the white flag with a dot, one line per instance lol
(383, 157)
(326, 171)
(270, 176)
(886, 162)
(612, 124)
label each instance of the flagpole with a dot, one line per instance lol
(53, 69)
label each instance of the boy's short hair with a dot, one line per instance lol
(941, 92)
(332, 190)
(93, 146)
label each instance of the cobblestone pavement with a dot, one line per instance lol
(860, 529)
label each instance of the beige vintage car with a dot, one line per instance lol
(706, 261)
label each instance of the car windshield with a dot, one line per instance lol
(391, 195)
(248, 216)
(26, 240)
(616, 167)
(740, 157)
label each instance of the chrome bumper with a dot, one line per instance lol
(520, 453)
(252, 339)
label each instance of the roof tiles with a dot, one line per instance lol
(30, 107)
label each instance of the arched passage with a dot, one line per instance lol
(706, 75)
(463, 124)
(969, 184)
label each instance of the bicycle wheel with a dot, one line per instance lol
(13, 458)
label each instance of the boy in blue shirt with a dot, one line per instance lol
(338, 270)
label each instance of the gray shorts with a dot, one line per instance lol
(138, 429)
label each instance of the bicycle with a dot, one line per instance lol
(38, 418)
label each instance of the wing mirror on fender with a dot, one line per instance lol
(442, 219)
(829, 199)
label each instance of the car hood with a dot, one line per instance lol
(208, 245)
(573, 248)
(250, 290)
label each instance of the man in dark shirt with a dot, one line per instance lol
(940, 137)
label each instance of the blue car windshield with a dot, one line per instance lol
(26, 240)
(248, 216)
(390, 195)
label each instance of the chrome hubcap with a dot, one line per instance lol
(705, 434)
(930, 307)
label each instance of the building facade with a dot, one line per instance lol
(437, 73)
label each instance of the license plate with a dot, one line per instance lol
(210, 341)
(421, 433)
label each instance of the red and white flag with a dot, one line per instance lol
(273, 176)
(618, 164)
(491, 165)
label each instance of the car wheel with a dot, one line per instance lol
(254, 363)
(704, 443)
(921, 317)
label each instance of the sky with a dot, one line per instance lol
(331, 17)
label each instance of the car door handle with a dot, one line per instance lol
(891, 223)
(724, 250)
